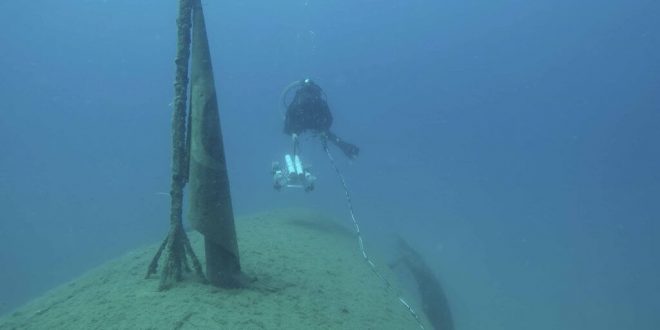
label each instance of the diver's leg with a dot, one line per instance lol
(296, 143)
(349, 149)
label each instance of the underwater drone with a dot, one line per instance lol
(293, 175)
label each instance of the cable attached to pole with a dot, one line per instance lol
(372, 265)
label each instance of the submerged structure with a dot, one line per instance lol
(434, 301)
(211, 210)
(309, 276)
(198, 158)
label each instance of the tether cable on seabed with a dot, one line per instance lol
(388, 286)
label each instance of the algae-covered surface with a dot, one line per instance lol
(309, 270)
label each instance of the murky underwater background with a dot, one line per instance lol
(515, 143)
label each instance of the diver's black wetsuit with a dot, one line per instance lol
(309, 111)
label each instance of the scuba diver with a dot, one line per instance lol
(309, 111)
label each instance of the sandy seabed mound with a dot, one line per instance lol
(310, 275)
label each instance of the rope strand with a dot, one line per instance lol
(371, 264)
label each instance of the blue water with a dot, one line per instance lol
(515, 143)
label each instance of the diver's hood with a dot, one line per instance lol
(299, 85)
